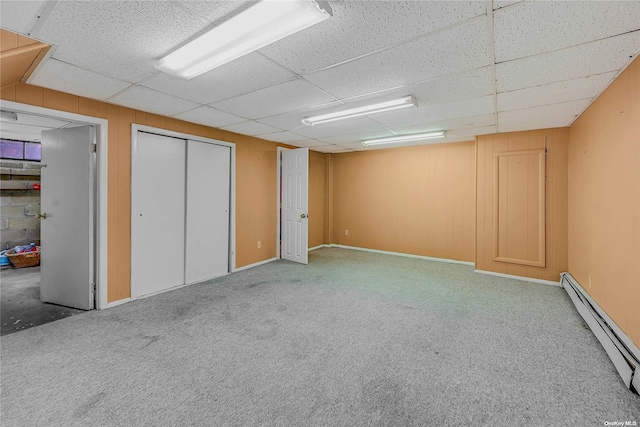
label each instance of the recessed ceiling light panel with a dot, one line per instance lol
(395, 104)
(260, 25)
(404, 138)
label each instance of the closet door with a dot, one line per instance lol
(208, 192)
(157, 213)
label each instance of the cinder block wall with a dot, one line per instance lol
(19, 203)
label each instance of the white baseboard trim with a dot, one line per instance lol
(624, 354)
(525, 279)
(255, 264)
(428, 258)
(316, 248)
(117, 303)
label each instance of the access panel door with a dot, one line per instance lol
(208, 195)
(157, 213)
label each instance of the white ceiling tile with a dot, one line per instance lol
(61, 76)
(580, 61)
(306, 143)
(20, 16)
(452, 110)
(360, 27)
(342, 127)
(214, 10)
(548, 123)
(149, 100)
(329, 148)
(461, 124)
(353, 138)
(499, 4)
(282, 137)
(293, 120)
(455, 49)
(465, 85)
(118, 38)
(469, 133)
(208, 116)
(232, 79)
(569, 90)
(554, 115)
(530, 28)
(281, 98)
(251, 128)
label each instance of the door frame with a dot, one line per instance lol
(100, 189)
(135, 128)
(279, 151)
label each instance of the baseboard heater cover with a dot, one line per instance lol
(620, 349)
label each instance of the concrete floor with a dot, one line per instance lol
(20, 305)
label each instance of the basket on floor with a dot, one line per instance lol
(23, 259)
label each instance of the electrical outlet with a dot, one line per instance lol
(259, 244)
(346, 232)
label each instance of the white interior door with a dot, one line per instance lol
(67, 232)
(157, 213)
(295, 203)
(208, 191)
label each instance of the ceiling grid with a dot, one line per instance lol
(473, 67)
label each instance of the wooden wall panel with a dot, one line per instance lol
(255, 178)
(604, 201)
(523, 224)
(414, 200)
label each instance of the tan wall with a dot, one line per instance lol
(317, 197)
(604, 201)
(556, 201)
(255, 178)
(414, 200)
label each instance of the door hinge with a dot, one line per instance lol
(93, 287)
(94, 148)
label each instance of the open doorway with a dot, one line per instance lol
(50, 199)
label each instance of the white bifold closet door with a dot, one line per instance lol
(180, 204)
(157, 213)
(208, 190)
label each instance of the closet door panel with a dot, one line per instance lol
(157, 213)
(207, 226)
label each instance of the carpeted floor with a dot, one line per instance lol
(352, 339)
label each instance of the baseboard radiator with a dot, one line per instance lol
(621, 350)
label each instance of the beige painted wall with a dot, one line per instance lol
(414, 200)
(255, 178)
(556, 201)
(604, 200)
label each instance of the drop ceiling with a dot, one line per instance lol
(474, 67)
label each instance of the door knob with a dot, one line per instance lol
(304, 216)
(42, 215)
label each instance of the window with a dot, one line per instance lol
(20, 150)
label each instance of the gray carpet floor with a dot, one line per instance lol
(352, 339)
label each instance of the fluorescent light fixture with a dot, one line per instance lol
(405, 102)
(265, 22)
(404, 138)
